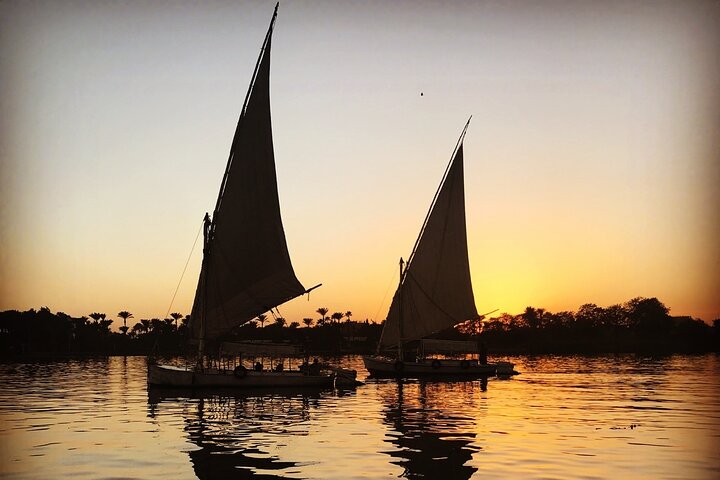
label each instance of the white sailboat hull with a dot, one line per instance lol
(171, 376)
(387, 367)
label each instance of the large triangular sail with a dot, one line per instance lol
(436, 291)
(246, 268)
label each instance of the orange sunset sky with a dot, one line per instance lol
(592, 162)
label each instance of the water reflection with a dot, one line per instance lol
(564, 417)
(223, 451)
(236, 432)
(432, 430)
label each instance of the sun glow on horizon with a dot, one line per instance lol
(591, 164)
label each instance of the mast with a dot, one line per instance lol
(207, 225)
(400, 318)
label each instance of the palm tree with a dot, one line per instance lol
(176, 316)
(280, 322)
(169, 324)
(100, 324)
(322, 311)
(294, 324)
(337, 316)
(125, 315)
(137, 329)
(261, 318)
(308, 322)
(348, 314)
(156, 325)
(146, 325)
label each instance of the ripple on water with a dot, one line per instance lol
(564, 417)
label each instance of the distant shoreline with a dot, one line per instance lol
(640, 326)
(492, 352)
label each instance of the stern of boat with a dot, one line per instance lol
(345, 377)
(505, 369)
(168, 376)
(379, 366)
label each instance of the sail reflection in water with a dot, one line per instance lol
(433, 439)
(232, 429)
(299, 434)
(614, 416)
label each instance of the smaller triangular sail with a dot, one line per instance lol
(436, 289)
(246, 268)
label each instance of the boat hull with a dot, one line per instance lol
(171, 376)
(386, 367)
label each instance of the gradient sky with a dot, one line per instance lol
(592, 161)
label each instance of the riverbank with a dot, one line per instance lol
(640, 326)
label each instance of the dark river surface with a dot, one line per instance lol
(563, 417)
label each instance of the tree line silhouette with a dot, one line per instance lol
(639, 325)
(42, 332)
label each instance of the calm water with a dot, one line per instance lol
(564, 417)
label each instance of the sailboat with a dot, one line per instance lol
(246, 268)
(435, 293)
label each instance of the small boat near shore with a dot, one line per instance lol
(435, 293)
(246, 268)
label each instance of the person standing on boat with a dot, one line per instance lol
(482, 353)
(314, 367)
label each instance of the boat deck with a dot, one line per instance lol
(384, 367)
(174, 376)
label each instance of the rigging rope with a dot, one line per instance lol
(183, 272)
(382, 302)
